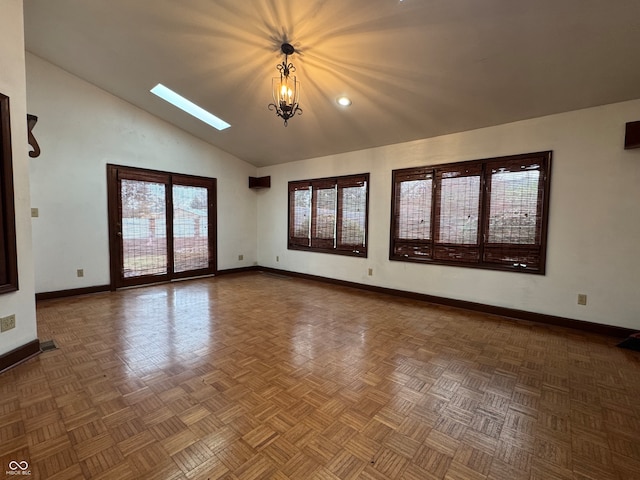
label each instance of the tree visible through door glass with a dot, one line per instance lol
(144, 238)
(190, 228)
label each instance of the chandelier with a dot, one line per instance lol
(286, 88)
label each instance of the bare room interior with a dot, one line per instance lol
(275, 239)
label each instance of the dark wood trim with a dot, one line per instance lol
(362, 253)
(73, 292)
(317, 245)
(481, 168)
(260, 182)
(609, 330)
(115, 173)
(113, 216)
(229, 271)
(168, 202)
(213, 226)
(19, 355)
(632, 135)
(8, 248)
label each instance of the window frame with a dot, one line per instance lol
(314, 244)
(8, 246)
(115, 175)
(425, 250)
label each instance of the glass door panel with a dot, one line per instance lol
(190, 228)
(144, 228)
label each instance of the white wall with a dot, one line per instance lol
(81, 128)
(594, 220)
(12, 84)
(594, 224)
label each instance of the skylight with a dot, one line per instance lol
(188, 106)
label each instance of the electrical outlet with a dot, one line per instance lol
(34, 212)
(80, 272)
(240, 257)
(277, 258)
(7, 323)
(371, 272)
(582, 299)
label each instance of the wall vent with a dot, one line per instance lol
(48, 345)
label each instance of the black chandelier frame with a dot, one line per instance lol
(281, 108)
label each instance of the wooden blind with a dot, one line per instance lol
(413, 213)
(488, 213)
(323, 222)
(515, 197)
(300, 214)
(352, 213)
(514, 200)
(457, 213)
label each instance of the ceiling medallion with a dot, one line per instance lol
(286, 88)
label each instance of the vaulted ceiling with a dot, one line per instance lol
(413, 68)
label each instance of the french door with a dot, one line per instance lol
(161, 225)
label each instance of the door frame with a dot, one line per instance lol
(114, 174)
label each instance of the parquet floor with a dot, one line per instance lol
(255, 376)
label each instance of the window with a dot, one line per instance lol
(485, 213)
(329, 215)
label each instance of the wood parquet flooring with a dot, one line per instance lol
(255, 376)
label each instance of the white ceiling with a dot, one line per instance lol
(413, 68)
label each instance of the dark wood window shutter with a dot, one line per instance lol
(329, 215)
(351, 225)
(413, 212)
(515, 223)
(299, 214)
(490, 213)
(457, 216)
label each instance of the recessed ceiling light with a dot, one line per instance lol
(344, 101)
(188, 106)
